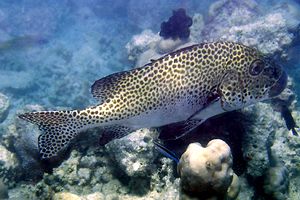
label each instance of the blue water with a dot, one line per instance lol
(75, 43)
(51, 52)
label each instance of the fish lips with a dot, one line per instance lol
(279, 86)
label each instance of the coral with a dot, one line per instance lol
(70, 196)
(66, 196)
(4, 104)
(168, 45)
(206, 171)
(135, 153)
(234, 188)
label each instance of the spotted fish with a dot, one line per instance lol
(187, 86)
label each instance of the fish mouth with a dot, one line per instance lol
(279, 86)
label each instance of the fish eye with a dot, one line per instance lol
(256, 67)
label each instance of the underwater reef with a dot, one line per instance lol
(69, 46)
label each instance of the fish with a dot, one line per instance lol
(165, 151)
(289, 120)
(191, 84)
(22, 42)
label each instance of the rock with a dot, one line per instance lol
(4, 105)
(3, 190)
(197, 28)
(238, 21)
(206, 172)
(269, 34)
(23, 136)
(7, 158)
(264, 122)
(168, 45)
(225, 14)
(84, 174)
(135, 153)
(276, 182)
(141, 43)
(268, 143)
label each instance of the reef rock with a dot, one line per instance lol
(206, 172)
(276, 182)
(264, 122)
(271, 151)
(4, 104)
(135, 153)
(243, 22)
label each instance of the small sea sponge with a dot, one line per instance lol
(206, 172)
(177, 26)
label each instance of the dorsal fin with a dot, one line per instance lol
(105, 87)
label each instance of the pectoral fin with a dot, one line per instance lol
(177, 130)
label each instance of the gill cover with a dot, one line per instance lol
(230, 91)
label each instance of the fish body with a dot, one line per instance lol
(193, 83)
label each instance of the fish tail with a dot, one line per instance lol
(58, 128)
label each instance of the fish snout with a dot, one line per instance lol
(279, 86)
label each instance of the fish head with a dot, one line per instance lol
(257, 79)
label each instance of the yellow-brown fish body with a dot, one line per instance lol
(193, 83)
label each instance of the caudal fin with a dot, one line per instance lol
(58, 127)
